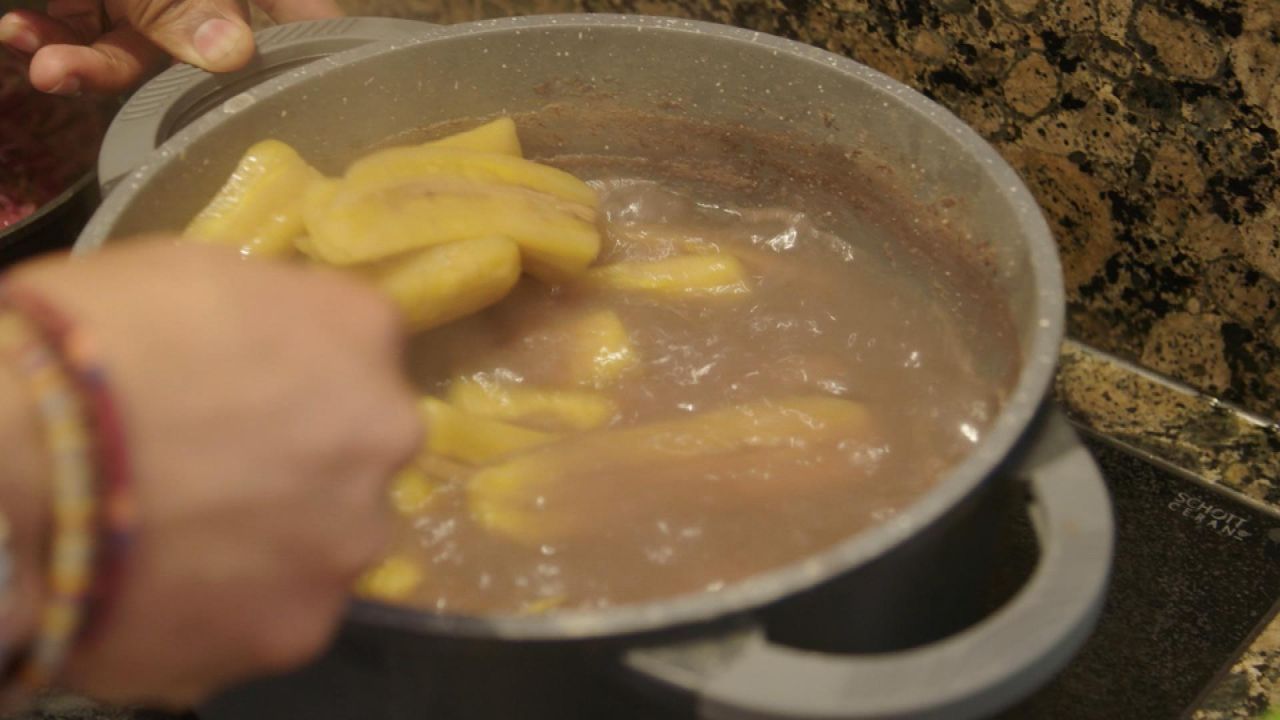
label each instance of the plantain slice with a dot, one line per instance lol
(259, 208)
(538, 496)
(497, 136)
(394, 578)
(348, 225)
(412, 490)
(446, 282)
(454, 434)
(600, 350)
(400, 165)
(540, 407)
(681, 276)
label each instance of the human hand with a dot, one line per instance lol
(109, 46)
(264, 407)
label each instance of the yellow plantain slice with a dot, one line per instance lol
(258, 209)
(682, 276)
(497, 136)
(600, 350)
(395, 578)
(454, 434)
(446, 282)
(518, 498)
(349, 226)
(400, 165)
(541, 407)
(412, 490)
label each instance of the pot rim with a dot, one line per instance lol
(1035, 376)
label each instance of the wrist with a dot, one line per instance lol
(24, 501)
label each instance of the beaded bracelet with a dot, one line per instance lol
(85, 567)
(116, 513)
(71, 554)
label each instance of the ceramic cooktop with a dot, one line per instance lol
(1196, 575)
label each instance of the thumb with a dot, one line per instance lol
(210, 34)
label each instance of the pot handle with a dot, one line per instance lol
(974, 673)
(179, 95)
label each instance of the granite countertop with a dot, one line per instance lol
(1149, 131)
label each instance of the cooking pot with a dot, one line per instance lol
(890, 623)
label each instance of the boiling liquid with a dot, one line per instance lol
(825, 316)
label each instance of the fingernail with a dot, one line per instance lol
(216, 38)
(18, 37)
(70, 85)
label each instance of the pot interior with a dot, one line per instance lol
(755, 121)
(785, 124)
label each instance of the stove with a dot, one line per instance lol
(1196, 576)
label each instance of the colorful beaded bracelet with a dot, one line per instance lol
(93, 512)
(116, 517)
(72, 484)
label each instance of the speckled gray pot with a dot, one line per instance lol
(332, 108)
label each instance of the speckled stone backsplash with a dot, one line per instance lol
(1149, 131)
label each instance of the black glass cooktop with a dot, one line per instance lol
(1196, 575)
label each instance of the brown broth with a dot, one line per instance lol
(825, 315)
